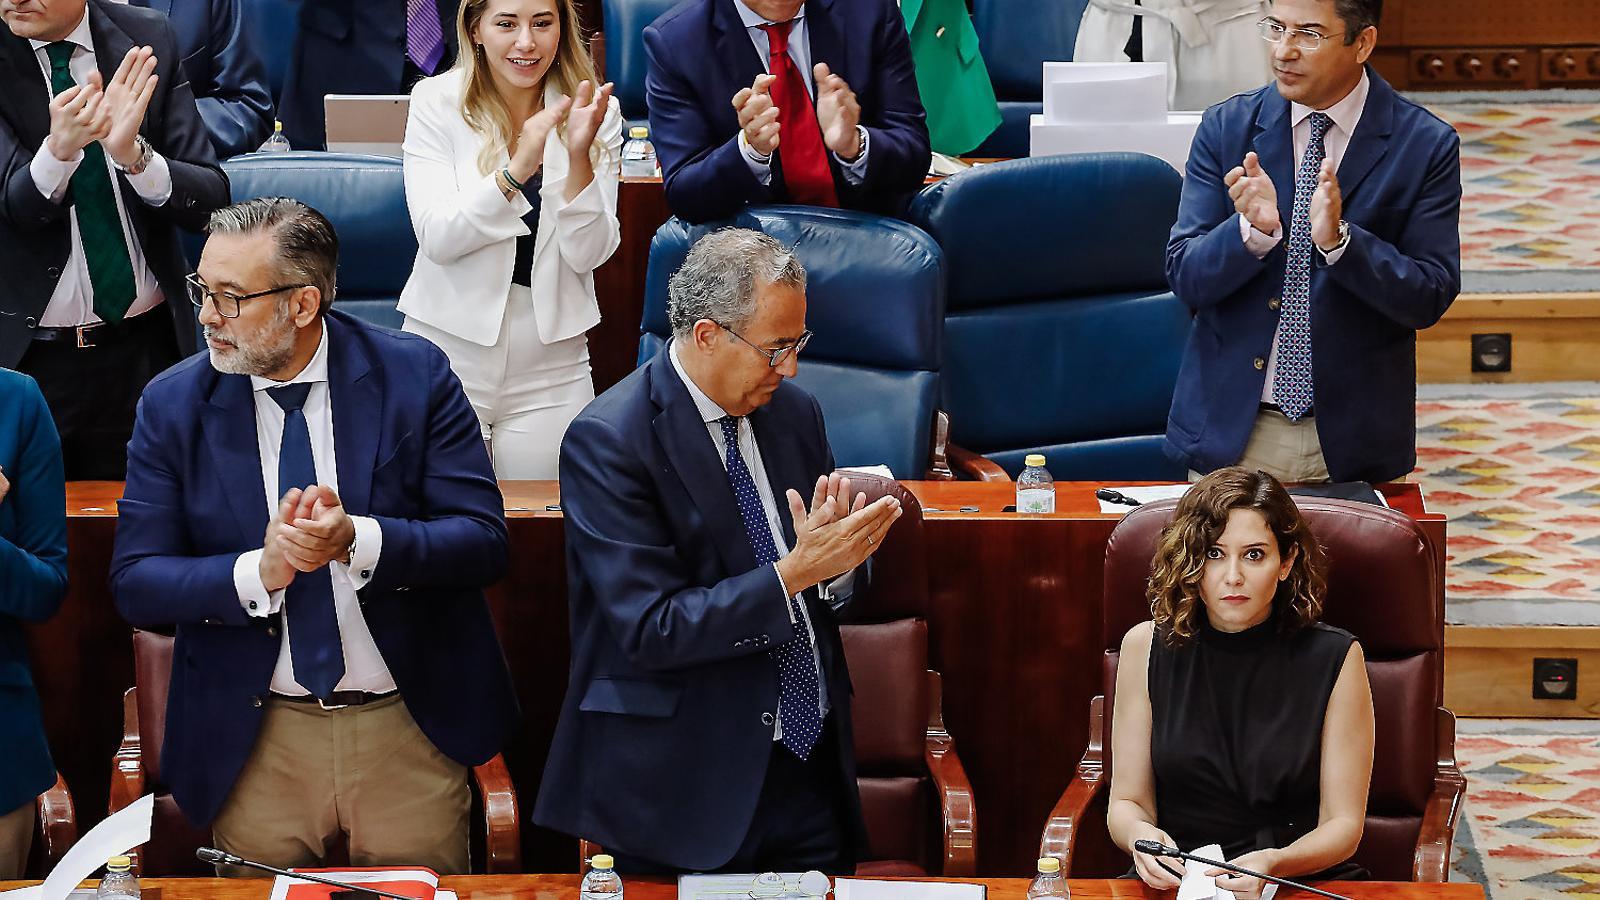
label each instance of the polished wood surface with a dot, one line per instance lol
(565, 887)
(619, 284)
(1013, 617)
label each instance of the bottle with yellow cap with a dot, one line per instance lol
(1036, 490)
(119, 883)
(1048, 883)
(601, 882)
(638, 154)
(277, 143)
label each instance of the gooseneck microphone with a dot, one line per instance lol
(1158, 849)
(219, 857)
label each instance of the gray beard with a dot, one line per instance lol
(269, 352)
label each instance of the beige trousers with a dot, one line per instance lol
(16, 839)
(1288, 451)
(365, 772)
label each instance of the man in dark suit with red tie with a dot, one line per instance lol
(785, 101)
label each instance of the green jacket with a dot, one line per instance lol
(951, 77)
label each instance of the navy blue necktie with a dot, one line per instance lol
(799, 695)
(314, 645)
(1292, 387)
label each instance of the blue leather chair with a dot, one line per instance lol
(624, 22)
(365, 199)
(875, 299)
(1017, 38)
(1061, 336)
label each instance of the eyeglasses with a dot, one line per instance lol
(775, 358)
(1300, 39)
(227, 303)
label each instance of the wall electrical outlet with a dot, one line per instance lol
(1555, 678)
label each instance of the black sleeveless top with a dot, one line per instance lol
(1236, 733)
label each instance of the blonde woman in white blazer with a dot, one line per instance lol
(511, 164)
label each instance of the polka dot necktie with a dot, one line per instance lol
(1291, 385)
(799, 695)
(315, 649)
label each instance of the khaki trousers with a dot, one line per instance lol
(1288, 451)
(16, 839)
(366, 773)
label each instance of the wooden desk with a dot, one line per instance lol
(1013, 614)
(565, 887)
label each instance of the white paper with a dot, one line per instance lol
(114, 836)
(859, 889)
(884, 471)
(1144, 494)
(1196, 886)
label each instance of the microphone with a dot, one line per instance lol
(1155, 848)
(1114, 496)
(219, 857)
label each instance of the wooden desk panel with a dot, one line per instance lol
(565, 887)
(1014, 620)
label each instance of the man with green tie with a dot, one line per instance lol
(103, 156)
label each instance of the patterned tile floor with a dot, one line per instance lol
(1516, 468)
(1531, 823)
(1530, 172)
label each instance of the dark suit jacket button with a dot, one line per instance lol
(1259, 363)
(767, 719)
(53, 272)
(31, 322)
(256, 702)
(1273, 303)
(272, 631)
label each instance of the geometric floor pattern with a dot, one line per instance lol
(1516, 470)
(1530, 175)
(1532, 813)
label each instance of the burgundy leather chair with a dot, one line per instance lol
(55, 830)
(136, 770)
(1382, 587)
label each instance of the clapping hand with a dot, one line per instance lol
(78, 117)
(320, 531)
(535, 131)
(588, 111)
(758, 117)
(836, 535)
(1327, 208)
(275, 569)
(1254, 195)
(127, 97)
(838, 113)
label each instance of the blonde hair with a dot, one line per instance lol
(1200, 519)
(482, 104)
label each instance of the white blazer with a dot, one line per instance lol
(466, 230)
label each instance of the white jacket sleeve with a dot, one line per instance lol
(587, 231)
(451, 219)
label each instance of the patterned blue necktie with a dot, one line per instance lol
(1291, 385)
(314, 645)
(799, 694)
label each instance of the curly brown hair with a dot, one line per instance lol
(1201, 517)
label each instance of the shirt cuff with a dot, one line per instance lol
(257, 601)
(1331, 257)
(154, 184)
(1258, 242)
(760, 166)
(856, 172)
(843, 586)
(51, 175)
(369, 546)
(787, 606)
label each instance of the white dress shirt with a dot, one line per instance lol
(364, 669)
(799, 51)
(72, 302)
(1335, 141)
(710, 412)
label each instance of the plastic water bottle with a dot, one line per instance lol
(601, 882)
(1048, 883)
(119, 883)
(638, 154)
(277, 143)
(1036, 490)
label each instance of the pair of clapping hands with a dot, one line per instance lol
(837, 112)
(309, 530)
(1256, 198)
(583, 115)
(108, 113)
(836, 535)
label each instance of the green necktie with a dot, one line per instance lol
(105, 247)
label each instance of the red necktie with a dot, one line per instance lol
(805, 158)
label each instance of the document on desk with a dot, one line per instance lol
(861, 889)
(1196, 886)
(114, 836)
(418, 881)
(1144, 493)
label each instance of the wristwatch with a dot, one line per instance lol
(1344, 238)
(146, 153)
